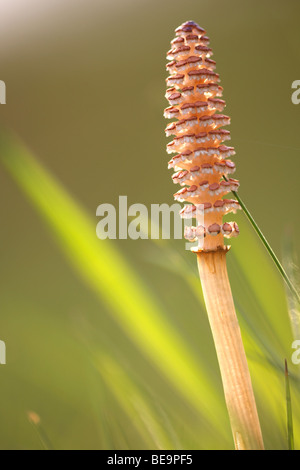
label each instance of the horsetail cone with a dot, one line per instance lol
(203, 168)
(201, 158)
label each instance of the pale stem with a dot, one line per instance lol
(234, 369)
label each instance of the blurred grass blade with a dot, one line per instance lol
(106, 271)
(35, 420)
(139, 410)
(291, 266)
(290, 430)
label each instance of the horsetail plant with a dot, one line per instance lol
(203, 168)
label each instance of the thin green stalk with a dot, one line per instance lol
(290, 431)
(267, 245)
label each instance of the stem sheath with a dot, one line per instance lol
(234, 369)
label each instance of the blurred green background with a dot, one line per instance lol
(85, 93)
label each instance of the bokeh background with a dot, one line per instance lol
(85, 95)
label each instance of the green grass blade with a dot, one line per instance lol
(266, 245)
(290, 431)
(139, 410)
(106, 271)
